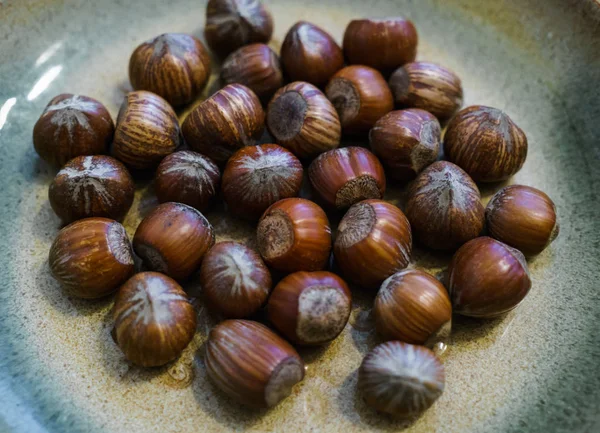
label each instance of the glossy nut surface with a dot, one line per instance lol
(154, 319)
(255, 66)
(487, 278)
(522, 217)
(486, 143)
(258, 176)
(175, 66)
(187, 177)
(252, 364)
(411, 306)
(310, 307)
(91, 186)
(406, 141)
(373, 242)
(310, 54)
(361, 96)
(70, 126)
(444, 207)
(381, 44)
(227, 121)
(91, 257)
(294, 235)
(231, 24)
(428, 86)
(172, 240)
(147, 130)
(301, 119)
(234, 279)
(401, 379)
(343, 177)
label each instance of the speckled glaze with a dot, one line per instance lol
(535, 370)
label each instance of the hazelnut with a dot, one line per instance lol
(361, 97)
(230, 119)
(522, 217)
(147, 130)
(255, 66)
(406, 141)
(251, 364)
(91, 186)
(486, 143)
(234, 280)
(310, 307)
(487, 278)
(187, 177)
(381, 44)
(172, 240)
(401, 379)
(342, 177)
(428, 86)
(373, 242)
(301, 118)
(411, 306)
(231, 24)
(72, 125)
(310, 54)
(175, 66)
(258, 176)
(294, 235)
(444, 207)
(154, 319)
(91, 257)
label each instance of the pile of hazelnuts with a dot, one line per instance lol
(311, 99)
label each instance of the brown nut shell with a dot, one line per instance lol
(373, 242)
(294, 235)
(154, 319)
(343, 177)
(91, 257)
(310, 308)
(70, 126)
(444, 207)
(486, 143)
(251, 364)
(487, 278)
(91, 186)
(234, 279)
(172, 239)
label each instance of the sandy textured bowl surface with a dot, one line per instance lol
(535, 370)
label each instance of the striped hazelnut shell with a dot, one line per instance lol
(154, 319)
(444, 207)
(147, 130)
(252, 364)
(310, 308)
(486, 143)
(411, 306)
(522, 217)
(227, 121)
(294, 235)
(428, 86)
(91, 186)
(234, 279)
(343, 177)
(361, 96)
(301, 119)
(70, 126)
(91, 257)
(373, 242)
(256, 177)
(487, 278)
(172, 239)
(406, 141)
